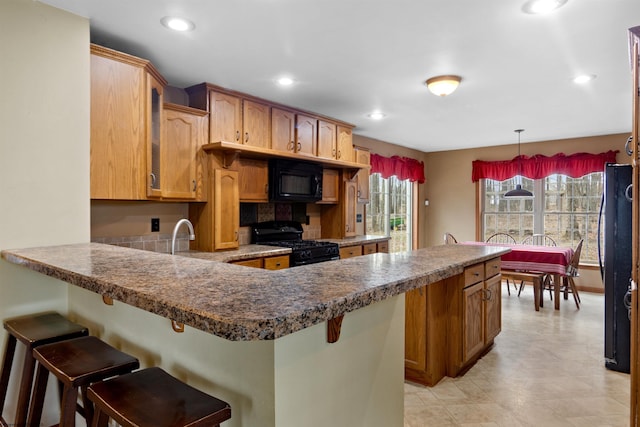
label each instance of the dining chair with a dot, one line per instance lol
(501, 238)
(568, 285)
(539, 240)
(449, 239)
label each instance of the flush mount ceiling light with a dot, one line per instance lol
(540, 7)
(285, 81)
(584, 78)
(177, 24)
(376, 115)
(443, 85)
(519, 192)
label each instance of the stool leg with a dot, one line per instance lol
(37, 399)
(10, 350)
(68, 410)
(25, 388)
(100, 419)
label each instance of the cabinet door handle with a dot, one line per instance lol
(299, 146)
(339, 154)
(236, 234)
(246, 137)
(153, 179)
(333, 152)
(290, 145)
(195, 186)
(237, 135)
(277, 264)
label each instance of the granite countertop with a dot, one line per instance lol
(243, 252)
(357, 240)
(243, 303)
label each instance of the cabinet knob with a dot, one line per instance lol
(236, 234)
(237, 135)
(333, 152)
(339, 154)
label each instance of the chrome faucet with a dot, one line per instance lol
(192, 234)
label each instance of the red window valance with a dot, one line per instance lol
(539, 166)
(402, 167)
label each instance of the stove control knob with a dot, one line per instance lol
(305, 254)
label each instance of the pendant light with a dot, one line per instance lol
(519, 192)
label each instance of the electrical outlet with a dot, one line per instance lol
(155, 224)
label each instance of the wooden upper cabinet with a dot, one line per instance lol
(363, 156)
(254, 180)
(256, 124)
(306, 135)
(225, 117)
(122, 124)
(330, 186)
(327, 140)
(184, 133)
(345, 144)
(283, 125)
(226, 209)
(350, 204)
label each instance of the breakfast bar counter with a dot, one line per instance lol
(241, 303)
(258, 338)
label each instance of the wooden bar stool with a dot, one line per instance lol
(153, 398)
(76, 363)
(32, 331)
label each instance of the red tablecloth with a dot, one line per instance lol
(547, 259)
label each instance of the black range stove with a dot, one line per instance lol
(288, 234)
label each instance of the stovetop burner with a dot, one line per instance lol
(288, 234)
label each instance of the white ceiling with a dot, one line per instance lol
(350, 57)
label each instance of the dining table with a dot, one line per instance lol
(551, 260)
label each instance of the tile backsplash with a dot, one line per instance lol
(150, 242)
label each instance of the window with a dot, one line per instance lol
(564, 208)
(389, 211)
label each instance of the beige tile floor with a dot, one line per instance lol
(545, 369)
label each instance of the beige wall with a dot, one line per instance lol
(44, 152)
(113, 218)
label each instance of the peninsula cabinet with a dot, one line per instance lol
(126, 126)
(450, 324)
(476, 302)
(181, 171)
(268, 263)
(253, 175)
(425, 355)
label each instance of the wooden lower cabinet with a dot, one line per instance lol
(369, 248)
(451, 323)
(350, 251)
(383, 247)
(276, 262)
(268, 263)
(425, 360)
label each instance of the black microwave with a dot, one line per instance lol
(294, 181)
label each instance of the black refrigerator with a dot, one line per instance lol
(615, 265)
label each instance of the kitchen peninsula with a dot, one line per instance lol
(257, 338)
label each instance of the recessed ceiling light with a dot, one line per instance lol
(539, 7)
(285, 81)
(177, 24)
(376, 115)
(584, 78)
